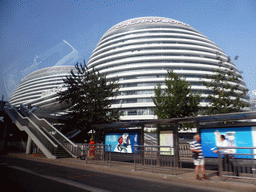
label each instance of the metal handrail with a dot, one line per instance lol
(152, 146)
(32, 127)
(84, 149)
(242, 164)
(35, 126)
(71, 148)
(236, 147)
(159, 159)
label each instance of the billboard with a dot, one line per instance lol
(122, 142)
(236, 137)
(166, 139)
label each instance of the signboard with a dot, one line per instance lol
(122, 142)
(145, 21)
(166, 139)
(236, 136)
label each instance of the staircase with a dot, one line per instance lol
(49, 140)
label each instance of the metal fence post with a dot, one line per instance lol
(254, 168)
(87, 153)
(220, 164)
(134, 157)
(158, 156)
(176, 145)
(175, 168)
(109, 155)
(252, 157)
(151, 159)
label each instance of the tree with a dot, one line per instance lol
(176, 100)
(89, 97)
(224, 83)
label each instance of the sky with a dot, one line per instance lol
(37, 34)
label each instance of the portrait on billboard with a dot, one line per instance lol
(122, 142)
(235, 137)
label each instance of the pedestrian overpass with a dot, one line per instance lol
(48, 139)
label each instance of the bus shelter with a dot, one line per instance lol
(229, 120)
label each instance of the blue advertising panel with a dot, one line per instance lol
(236, 137)
(122, 142)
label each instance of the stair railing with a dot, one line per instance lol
(37, 135)
(68, 145)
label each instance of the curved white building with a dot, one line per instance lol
(139, 52)
(40, 89)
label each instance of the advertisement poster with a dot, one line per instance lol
(236, 136)
(166, 139)
(122, 142)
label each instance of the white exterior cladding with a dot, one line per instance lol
(40, 89)
(139, 52)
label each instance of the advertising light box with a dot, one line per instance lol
(236, 137)
(166, 139)
(122, 142)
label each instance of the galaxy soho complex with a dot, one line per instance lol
(139, 52)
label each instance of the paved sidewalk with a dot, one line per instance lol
(183, 176)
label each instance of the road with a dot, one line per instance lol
(25, 175)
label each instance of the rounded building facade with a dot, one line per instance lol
(140, 51)
(40, 89)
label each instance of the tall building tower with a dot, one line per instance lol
(140, 51)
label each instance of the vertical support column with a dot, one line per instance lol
(142, 135)
(158, 143)
(253, 166)
(176, 145)
(29, 145)
(3, 139)
(158, 134)
(104, 142)
(142, 143)
(4, 134)
(197, 126)
(109, 156)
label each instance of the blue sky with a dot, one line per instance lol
(33, 29)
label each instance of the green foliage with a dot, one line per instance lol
(177, 100)
(224, 84)
(89, 96)
(150, 131)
